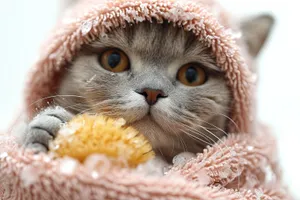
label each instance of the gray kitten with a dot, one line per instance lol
(159, 78)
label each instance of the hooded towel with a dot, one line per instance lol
(241, 166)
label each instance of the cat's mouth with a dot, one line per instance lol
(150, 118)
(152, 115)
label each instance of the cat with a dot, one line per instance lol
(158, 77)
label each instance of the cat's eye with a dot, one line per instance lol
(191, 75)
(114, 60)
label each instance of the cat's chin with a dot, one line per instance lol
(163, 142)
(148, 126)
(155, 134)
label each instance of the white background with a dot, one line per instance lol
(25, 23)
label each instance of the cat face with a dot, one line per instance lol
(157, 77)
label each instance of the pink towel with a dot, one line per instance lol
(241, 166)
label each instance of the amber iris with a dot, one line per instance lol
(191, 75)
(114, 60)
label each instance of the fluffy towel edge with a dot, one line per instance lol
(238, 167)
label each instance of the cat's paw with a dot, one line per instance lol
(182, 158)
(44, 128)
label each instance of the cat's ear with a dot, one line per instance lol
(255, 31)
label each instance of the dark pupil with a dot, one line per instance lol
(191, 74)
(114, 59)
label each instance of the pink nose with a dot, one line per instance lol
(152, 95)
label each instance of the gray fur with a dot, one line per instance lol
(44, 128)
(187, 120)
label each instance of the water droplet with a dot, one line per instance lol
(258, 193)
(237, 35)
(70, 139)
(269, 174)
(103, 35)
(226, 172)
(95, 174)
(70, 129)
(56, 147)
(130, 134)
(232, 153)
(29, 176)
(136, 141)
(95, 162)
(62, 125)
(53, 55)
(230, 52)
(36, 157)
(3, 155)
(250, 148)
(202, 178)
(68, 166)
(120, 122)
(166, 169)
(47, 159)
(86, 27)
(254, 78)
(182, 158)
(96, 21)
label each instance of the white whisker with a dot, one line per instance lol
(196, 138)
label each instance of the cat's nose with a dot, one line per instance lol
(152, 95)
